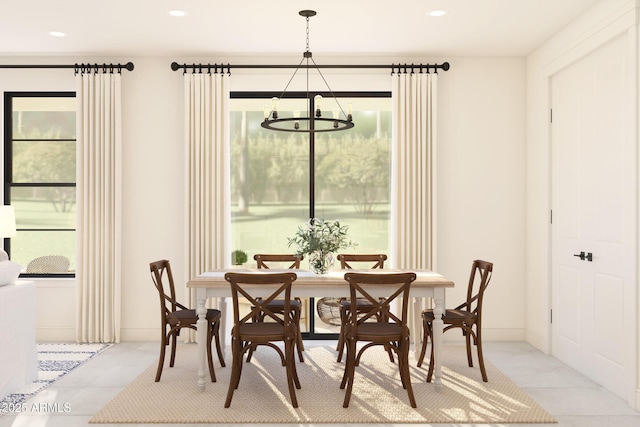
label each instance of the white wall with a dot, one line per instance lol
(481, 168)
(481, 178)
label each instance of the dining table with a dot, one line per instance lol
(428, 284)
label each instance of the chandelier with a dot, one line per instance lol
(311, 122)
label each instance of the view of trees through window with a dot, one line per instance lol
(40, 176)
(276, 187)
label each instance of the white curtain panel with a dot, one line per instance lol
(207, 193)
(413, 171)
(99, 207)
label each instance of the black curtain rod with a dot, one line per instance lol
(127, 66)
(399, 67)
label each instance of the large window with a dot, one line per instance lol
(40, 180)
(281, 179)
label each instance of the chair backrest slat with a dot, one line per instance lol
(163, 280)
(264, 260)
(479, 279)
(346, 260)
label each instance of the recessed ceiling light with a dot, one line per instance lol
(57, 34)
(177, 13)
(437, 13)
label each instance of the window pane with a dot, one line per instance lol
(353, 176)
(44, 161)
(29, 245)
(44, 118)
(44, 207)
(269, 182)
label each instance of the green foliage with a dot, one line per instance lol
(238, 257)
(358, 171)
(320, 236)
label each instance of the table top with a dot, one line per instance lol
(306, 278)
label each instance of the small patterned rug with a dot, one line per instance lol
(378, 397)
(54, 362)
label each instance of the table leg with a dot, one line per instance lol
(438, 326)
(201, 336)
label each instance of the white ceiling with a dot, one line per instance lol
(237, 27)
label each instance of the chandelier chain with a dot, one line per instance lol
(307, 34)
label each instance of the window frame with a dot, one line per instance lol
(8, 168)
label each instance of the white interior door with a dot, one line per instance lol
(594, 208)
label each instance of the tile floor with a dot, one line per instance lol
(574, 400)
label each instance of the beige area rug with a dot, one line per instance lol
(378, 397)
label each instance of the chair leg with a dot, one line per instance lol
(467, 335)
(425, 340)
(384, 318)
(163, 346)
(349, 372)
(480, 356)
(212, 372)
(291, 374)
(431, 364)
(400, 365)
(345, 374)
(216, 335)
(236, 368)
(405, 375)
(341, 342)
(389, 352)
(250, 353)
(299, 344)
(174, 338)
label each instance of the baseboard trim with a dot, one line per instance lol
(44, 335)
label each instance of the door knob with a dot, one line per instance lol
(581, 255)
(589, 257)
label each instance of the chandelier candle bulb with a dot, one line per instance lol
(318, 102)
(296, 115)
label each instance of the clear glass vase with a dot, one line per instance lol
(321, 262)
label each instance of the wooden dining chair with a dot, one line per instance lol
(348, 261)
(266, 261)
(247, 334)
(393, 332)
(467, 317)
(175, 317)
